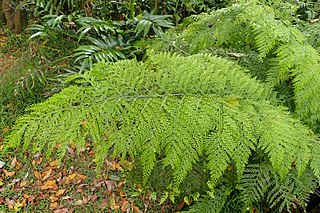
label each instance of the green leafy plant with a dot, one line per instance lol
(109, 42)
(179, 112)
(256, 34)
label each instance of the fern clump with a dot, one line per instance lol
(262, 39)
(185, 112)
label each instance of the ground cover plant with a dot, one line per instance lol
(221, 115)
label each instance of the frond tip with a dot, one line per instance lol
(172, 108)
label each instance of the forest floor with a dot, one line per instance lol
(7, 60)
(30, 183)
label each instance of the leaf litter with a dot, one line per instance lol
(28, 181)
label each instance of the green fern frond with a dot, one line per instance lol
(300, 62)
(209, 204)
(261, 188)
(179, 108)
(254, 26)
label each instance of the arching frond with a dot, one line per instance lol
(180, 108)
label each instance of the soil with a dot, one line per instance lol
(7, 60)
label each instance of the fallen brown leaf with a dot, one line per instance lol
(26, 196)
(13, 162)
(70, 150)
(93, 198)
(80, 176)
(46, 174)
(37, 174)
(136, 209)
(125, 206)
(6, 129)
(180, 205)
(8, 174)
(79, 202)
(1, 200)
(63, 210)
(54, 163)
(60, 192)
(66, 198)
(53, 205)
(37, 161)
(53, 199)
(110, 185)
(70, 178)
(23, 183)
(103, 204)
(10, 203)
(50, 184)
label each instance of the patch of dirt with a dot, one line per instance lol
(6, 62)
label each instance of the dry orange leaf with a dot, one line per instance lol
(123, 194)
(23, 183)
(37, 174)
(19, 165)
(180, 205)
(125, 206)
(6, 129)
(8, 174)
(46, 174)
(80, 176)
(70, 178)
(26, 196)
(50, 184)
(24, 202)
(53, 199)
(37, 161)
(136, 209)
(53, 205)
(60, 192)
(54, 163)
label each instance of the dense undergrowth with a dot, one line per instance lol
(228, 115)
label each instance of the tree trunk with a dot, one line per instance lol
(15, 19)
(2, 16)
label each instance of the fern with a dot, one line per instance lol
(260, 183)
(173, 108)
(255, 26)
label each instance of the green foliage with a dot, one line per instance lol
(308, 9)
(22, 85)
(179, 112)
(31, 77)
(194, 123)
(109, 42)
(254, 29)
(262, 189)
(311, 32)
(111, 30)
(99, 40)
